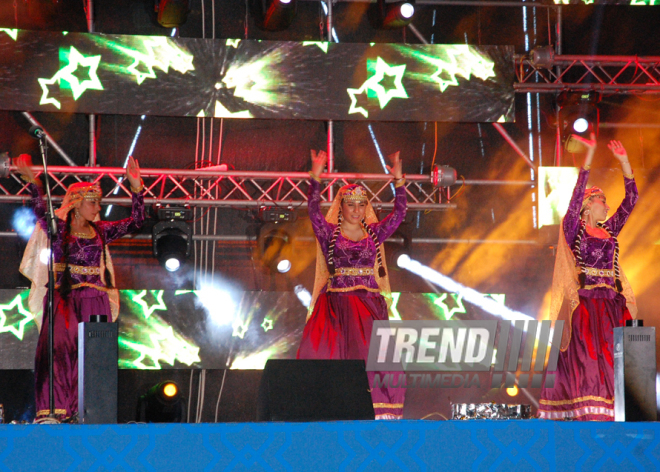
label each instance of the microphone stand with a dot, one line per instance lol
(52, 233)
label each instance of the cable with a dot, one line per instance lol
(192, 372)
(222, 385)
(433, 414)
(203, 21)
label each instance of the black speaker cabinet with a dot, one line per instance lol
(314, 390)
(97, 373)
(634, 374)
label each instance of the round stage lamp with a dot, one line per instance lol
(443, 176)
(161, 404)
(407, 10)
(391, 15)
(580, 125)
(170, 390)
(172, 243)
(284, 266)
(274, 246)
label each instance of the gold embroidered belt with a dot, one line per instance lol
(354, 271)
(599, 272)
(76, 269)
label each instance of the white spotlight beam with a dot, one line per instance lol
(468, 294)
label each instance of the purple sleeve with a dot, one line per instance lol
(571, 221)
(322, 229)
(619, 218)
(38, 206)
(112, 230)
(385, 228)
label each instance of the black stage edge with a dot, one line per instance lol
(237, 404)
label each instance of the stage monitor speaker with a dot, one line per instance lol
(634, 374)
(97, 373)
(314, 390)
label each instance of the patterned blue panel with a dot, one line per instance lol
(355, 446)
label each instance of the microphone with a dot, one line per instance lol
(37, 132)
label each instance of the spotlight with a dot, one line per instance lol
(274, 247)
(388, 14)
(578, 114)
(161, 404)
(542, 57)
(443, 176)
(172, 237)
(273, 15)
(172, 13)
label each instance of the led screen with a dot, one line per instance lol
(209, 329)
(556, 186)
(158, 75)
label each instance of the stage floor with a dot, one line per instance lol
(360, 445)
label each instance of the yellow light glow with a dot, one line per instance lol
(170, 390)
(512, 391)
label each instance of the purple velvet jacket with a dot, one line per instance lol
(597, 252)
(87, 251)
(349, 253)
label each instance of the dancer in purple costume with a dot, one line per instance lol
(592, 295)
(351, 289)
(84, 278)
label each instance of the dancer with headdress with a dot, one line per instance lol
(84, 278)
(591, 294)
(352, 288)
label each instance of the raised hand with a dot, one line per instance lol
(396, 167)
(590, 144)
(133, 173)
(618, 150)
(318, 162)
(23, 165)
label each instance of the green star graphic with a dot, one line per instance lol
(164, 53)
(448, 313)
(149, 64)
(374, 83)
(267, 324)
(166, 346)
(13, 33)
(460, 60)
(148, 310)
(354, 108)
(323, 45)
(45, 100)
(240, 329)
(394, 312)
(67, 73)
(232, 42)
(17, 329)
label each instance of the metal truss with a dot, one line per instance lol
(605, 74)
(209, 187)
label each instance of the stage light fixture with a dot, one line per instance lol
(388, 14)
(172, 237)
(172, 13)
(273, 15)
(578, 115)
(542, 57)
(161, 404)
(443, 176)
(274, 247)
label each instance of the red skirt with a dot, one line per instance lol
(340, 328)
(584, 380)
